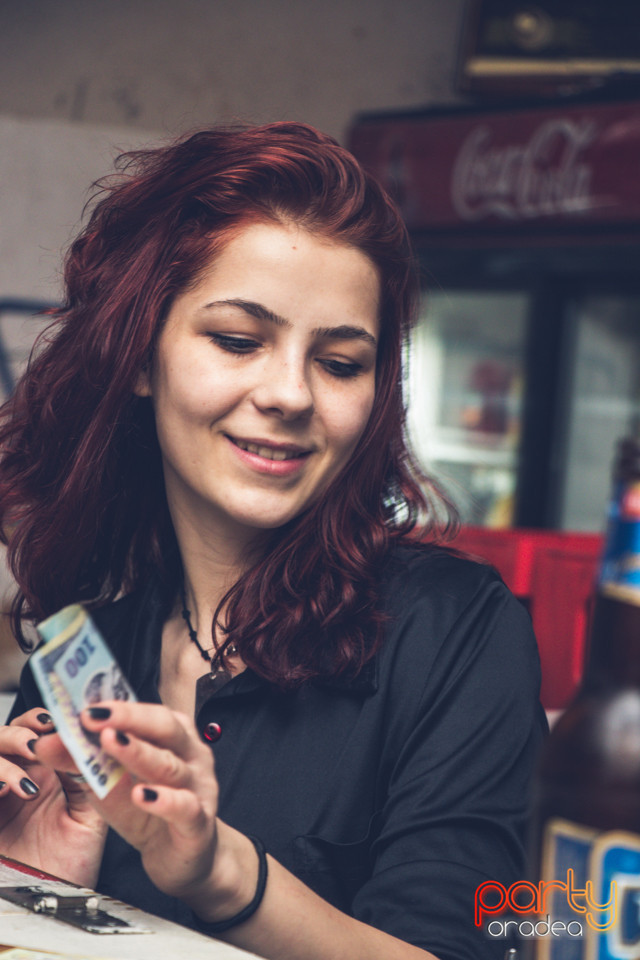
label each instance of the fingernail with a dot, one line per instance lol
(44, 718)
(29, 787)
(3, 784)
(31, 744)
(99, 713)
(122, 738)
(149, 794)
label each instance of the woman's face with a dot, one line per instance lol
(264, 377)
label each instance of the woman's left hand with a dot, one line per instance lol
(165, 804)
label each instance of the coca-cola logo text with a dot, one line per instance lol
(547, 176)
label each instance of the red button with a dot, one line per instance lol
(212, 732)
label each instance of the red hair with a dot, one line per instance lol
(82, 505)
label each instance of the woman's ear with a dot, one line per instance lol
(143, 383)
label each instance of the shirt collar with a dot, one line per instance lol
(248, 682)
(150, 616)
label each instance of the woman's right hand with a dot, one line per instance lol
(46, 819)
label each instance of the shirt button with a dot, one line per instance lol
(212, 732)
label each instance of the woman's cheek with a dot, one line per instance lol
(350, 419)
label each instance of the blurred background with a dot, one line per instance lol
(509, 133)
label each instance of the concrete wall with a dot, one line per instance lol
(46, 167)
(171, 64)
(82, 79)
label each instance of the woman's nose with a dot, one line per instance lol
(284, 390)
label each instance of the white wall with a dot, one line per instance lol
(172, 64)
(82, 79)
(46, 167)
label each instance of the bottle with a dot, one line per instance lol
(587, 820)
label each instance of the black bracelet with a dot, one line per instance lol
(221, 925)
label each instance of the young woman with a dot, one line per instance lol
(207, 451)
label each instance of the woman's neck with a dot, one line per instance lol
(213, 559)
(214, 556)
(207, 579)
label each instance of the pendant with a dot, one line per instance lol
(209, 684)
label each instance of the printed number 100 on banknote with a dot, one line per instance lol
(74, 669)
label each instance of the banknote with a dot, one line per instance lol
(73, 669)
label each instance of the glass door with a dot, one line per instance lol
(464, 387)
(602, 402)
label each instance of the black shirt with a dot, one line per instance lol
(394, 795)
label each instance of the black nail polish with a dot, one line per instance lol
(3, 784)
(99, 713)
(29, 787)
(122, 738)
(44, 718)
(31, 744)
(149, 794)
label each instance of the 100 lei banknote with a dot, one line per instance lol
(73, 669)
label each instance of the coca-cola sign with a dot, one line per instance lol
(547, 175)
(511, 169)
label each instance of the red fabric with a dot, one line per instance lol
(553, 573)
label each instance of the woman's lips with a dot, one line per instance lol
(269, 450)
(271, 458)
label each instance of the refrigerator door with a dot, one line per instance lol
(602, 402)
(464, 397)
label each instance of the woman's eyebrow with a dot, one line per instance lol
(346, 332)
(257, 310)
(343, 331)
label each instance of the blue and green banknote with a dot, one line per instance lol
(73, 669)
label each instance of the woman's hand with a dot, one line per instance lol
(166, 803)
(46, 819)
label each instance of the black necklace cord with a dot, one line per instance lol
(193, 636)
(230, 651)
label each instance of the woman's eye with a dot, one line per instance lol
(341, 368)
(234, 344)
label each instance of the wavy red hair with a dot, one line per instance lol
(82, 504)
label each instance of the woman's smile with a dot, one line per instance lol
(272, 451)
(263, 379)
(278, 460)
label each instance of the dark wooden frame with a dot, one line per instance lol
(525, 73)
